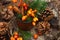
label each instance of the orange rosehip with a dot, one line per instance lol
(24, 18)
(29, 11)
(10, 7)
(14, 1)
(12, 38)
(24, 4)
(35, 36)
(20, 38)
(35, 19)
(33, 23)
(33, 15)
(35, 10)
(15, 34)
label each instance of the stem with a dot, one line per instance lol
(22, 10)
(35, 39)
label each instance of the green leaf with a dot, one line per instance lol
(19, 16)
(26, 1)
(29, 19)
(25, 34)
(38, 5)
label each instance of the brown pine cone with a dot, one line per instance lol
(3, 28)
(6, 14)
(43, 26)
(47, 15)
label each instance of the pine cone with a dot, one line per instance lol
(43, 27)
(6, 14)
(3, 28)
(47, 15)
